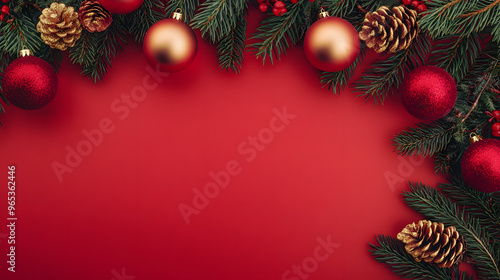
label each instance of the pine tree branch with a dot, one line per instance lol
(96, 51)
(19, 34)
(217, 18)
(276, 34)
(149, 13)
(386, 74)
(425, 139)
(336, 81)
(437, 207)
(482, 10)
(392, 252)
(477, 204)
(230, 48)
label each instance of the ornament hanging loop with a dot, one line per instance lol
(475, 138)
(24, 51)
(177, 15)
(323, 13)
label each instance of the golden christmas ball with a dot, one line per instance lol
(170, 44)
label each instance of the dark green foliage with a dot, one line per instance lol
(277, 34)
(373, 5)
(139, 21)
(340, 8)
(459, 17)
(188, 8)
(456, 54)
(435, 206)
(96, 51)
(217, 18)
(426, 139)
(336, 81)
(392, 252)
(230, 48)
(18, 35)
(388, 73)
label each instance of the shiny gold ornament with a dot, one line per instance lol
(331, 44)
(59, 26)
(390, 31)
(170, 44)
(433, 243)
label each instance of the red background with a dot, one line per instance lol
(323, 175)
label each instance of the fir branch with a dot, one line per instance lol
(188, 8)
(477, 204)
(437, 207)
(276, 34)
(339, 8)
(392, 252)
(373, 5)
(230, 48)
(217, 18)
(388, 73)
(149, 13)
(460, 17)
(457, 54)
(336, 81)
(52, 56)
(96, 51)
(21, 33)
(425, 139)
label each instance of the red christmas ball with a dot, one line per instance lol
(170, 44)
(29, 83)
(121, 6)
(480, 165)
(331, 44)
(429, 93)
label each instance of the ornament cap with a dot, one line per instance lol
(177, 15)
(475, 138)
(24, 52)
(323, 14)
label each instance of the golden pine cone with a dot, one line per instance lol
(94, 17)
(59, 26)
(432, 243)
(384, 30)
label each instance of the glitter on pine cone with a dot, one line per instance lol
(480, 165)
(29, 83)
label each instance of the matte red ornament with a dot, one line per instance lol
(29, 83)
(121, 6)
(481, 165)
(331, 44)
(429, 93)
(170, 45)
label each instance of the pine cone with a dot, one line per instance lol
(59, 26)
(433, 243)
(94, 17)
(384, 30)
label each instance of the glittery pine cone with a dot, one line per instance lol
(432, 243)
(384, 30)
(59, 26)
(94, 17)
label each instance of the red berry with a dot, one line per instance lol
(421, 8)
(283, 11)
(261, 1)
(496, 133)
(406, 2)
(2, 17)
(263, 7)
(311, 1)
(5, 10)
(414, 4)
(294, 1)
(496, 127)
(6, 1)
(277, 12)
(496, 115)
(279, 5)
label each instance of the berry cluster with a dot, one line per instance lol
(278, 6)
(4, 11)
(418, 5)
(495, 127)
